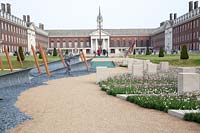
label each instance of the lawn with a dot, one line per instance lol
(28, 62)
(173, 60)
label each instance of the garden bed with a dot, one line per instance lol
(157, 91)
(195, 117)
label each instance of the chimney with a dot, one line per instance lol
(162, 23)
(171, 16)
(190, 6)
(41, 26)
(24, 18)
(3, 7)
(175, 16)
(28, 18)
(196, 4)
(8, 8)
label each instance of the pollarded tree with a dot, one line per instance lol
(184, 53)
(148, 51)
(21, 54)
(40, 56)
(161, 52)
(55, 52)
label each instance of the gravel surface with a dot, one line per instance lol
(10, 116)
(77, 105)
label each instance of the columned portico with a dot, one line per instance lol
(105, 43)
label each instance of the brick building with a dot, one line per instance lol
(175, 32)
(15, 32)
(171, 35)
(114, 41)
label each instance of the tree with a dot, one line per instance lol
(40, 56)
(55, 52)
(21, 54)
(184, 53)
(148, 51)
(161, 52)
(66, 52)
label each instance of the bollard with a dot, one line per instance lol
(36, 60)
(1, 64)
(20, 60)
(61, 57)
(44, 60)
(8, 59)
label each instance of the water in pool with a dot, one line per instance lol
(108, 64)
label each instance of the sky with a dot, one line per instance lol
(82, 14)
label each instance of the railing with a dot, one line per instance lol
(187, 16)
(12, 18)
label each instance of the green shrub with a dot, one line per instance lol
(40, 56)
(184, 53)
(55, 52)
(21, 54)
(148, 51)
(163, 103)
(161, 52)
(195, 117)
(66, 52)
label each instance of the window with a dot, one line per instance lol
(52, 44)
(118, 43)
(64, 44)
(88, 44)
(58, 44)
(76, 44)
(70, 44)
(82, 44)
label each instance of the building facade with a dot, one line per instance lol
(170, 35)
(15, 32)
(113, 41)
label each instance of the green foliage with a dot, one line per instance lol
(195, 117)
(184, 53)
(40, 56)
(55, 52)
(161, 52)
(148, 51)
(21, 54)
(163, 103)
(66, 52)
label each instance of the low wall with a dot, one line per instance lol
(15, 78)
(55, 65)
(103, 73)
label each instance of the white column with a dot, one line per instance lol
(96, 45)
(92, 48)
(108, 45)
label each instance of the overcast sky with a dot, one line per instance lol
(82, 14)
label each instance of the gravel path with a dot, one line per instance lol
(72, 105)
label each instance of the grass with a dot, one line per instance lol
(174, 60)
(28, 62)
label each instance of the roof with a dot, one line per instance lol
(87, 32)
(163, 27)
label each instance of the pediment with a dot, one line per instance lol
(96, 33)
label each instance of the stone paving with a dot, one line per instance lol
(77, 104)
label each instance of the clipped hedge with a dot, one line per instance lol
(195, 117)
(163, 103)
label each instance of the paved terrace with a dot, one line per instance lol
(78, 105)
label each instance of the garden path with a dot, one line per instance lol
(72, 105)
